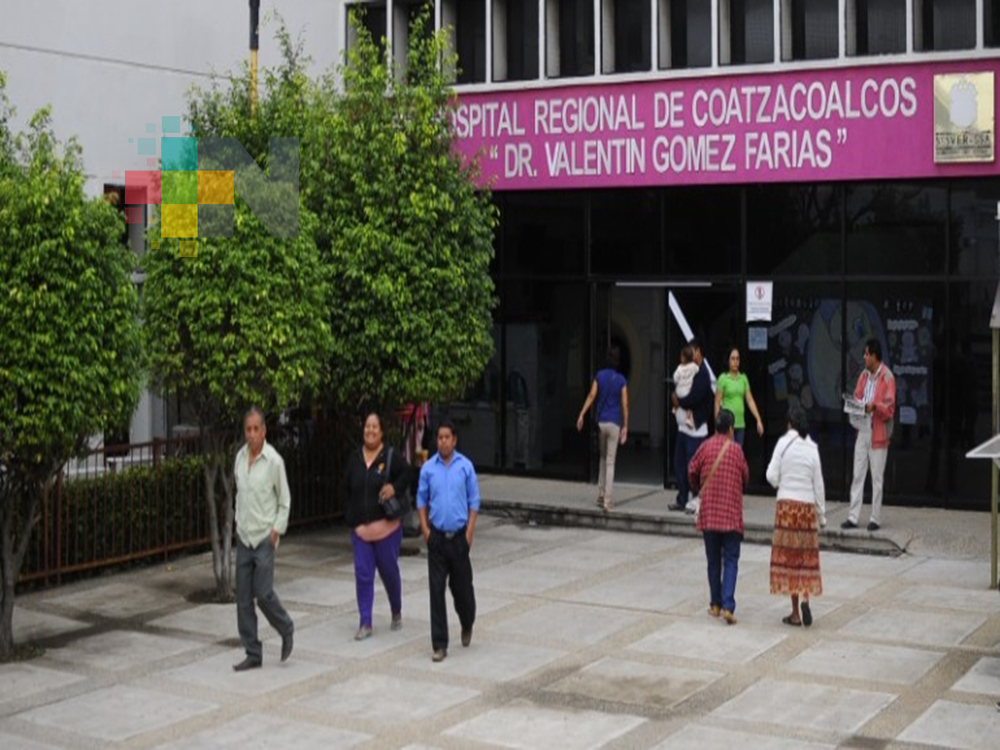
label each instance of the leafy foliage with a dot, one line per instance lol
(408, 236)
(70, 357)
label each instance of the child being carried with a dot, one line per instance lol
(683, 380)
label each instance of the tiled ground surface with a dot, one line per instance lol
(584, 639)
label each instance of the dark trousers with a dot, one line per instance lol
(722, 550)
(255, 581)
(383, 556)
(448, 562)
(683, 453)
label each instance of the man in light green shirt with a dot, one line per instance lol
(262, 504)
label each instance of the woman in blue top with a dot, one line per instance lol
(610, 391)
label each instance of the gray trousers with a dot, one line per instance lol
(255, 581)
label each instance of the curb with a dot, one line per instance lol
(878, 543)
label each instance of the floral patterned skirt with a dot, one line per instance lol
(795, 550)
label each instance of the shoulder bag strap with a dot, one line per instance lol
(388, 466)
(715, 465)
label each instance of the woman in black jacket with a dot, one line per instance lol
(374, 474)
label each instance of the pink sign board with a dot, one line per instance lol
(873, 122)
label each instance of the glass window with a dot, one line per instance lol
(515, 40)
(625, 35)
(474, 415)
(974, 229)
(543, 232)
(569, 38)
(808, 370)
(793, 229)
(546, 379)
(965, 482)
(944, 24)
(702, 227)
(896, 228)
(876, 27)
(625, 232)
(685, 33)
(906, 318)
(404, 13)
(991, 23)
(466, 22)
(746, 31)
(373, 19)
(809, 29)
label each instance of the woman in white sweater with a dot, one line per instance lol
(796, 471)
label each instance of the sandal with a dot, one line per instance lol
(807, 615)
(789, 621)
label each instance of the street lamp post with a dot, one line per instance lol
(254, 43)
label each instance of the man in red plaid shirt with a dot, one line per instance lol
(719, 473)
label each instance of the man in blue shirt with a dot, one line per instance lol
(448, 504)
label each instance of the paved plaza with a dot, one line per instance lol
(585, 638)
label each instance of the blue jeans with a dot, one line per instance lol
(738, 436)
(683, 453)
(722, 548)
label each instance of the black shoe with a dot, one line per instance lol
(675, 506)
(848, 524)
(248, 663)
(872, 526)
(807, 615)
(286, 646)
(466, 637)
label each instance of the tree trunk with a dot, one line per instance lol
(12, 551)
(217, 472)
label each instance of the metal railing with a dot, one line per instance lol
(126, 503)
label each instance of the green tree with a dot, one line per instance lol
(70, 354)
(405, 231)
(243, 323)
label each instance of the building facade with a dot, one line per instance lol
(656, 161)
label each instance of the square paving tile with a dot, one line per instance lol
(867, 566)
(486, 660)
(524, 725)
(970, 574)
(698, 737)
(335, 637)
(632, 682)
(13, 742)
(217, 620)
(18, 680)
(117, 713)
(915, 627)
(31, 626)
(325, 592)
(709, 640)
(117, 600)
(524, 577)
(818, 707)
(265, 732)
(121, 649)
(411, 700)
(581, 557)
(984, 677)
(864, 661)
(636, 544)
(947, 724)
(569, 623)
(951, 597)
(639, 590)
(216, 673)
(840, 586)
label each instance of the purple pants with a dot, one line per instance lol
(382, 555)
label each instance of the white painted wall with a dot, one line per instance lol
(109, 67)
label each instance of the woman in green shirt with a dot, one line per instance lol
(732, 389)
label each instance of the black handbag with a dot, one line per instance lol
(395, 506)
